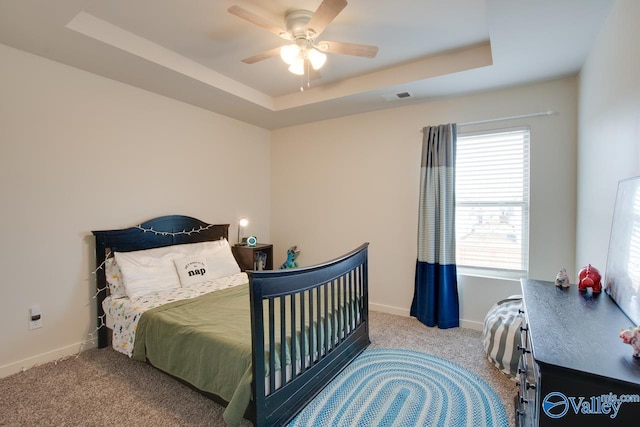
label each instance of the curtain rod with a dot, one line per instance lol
(523, 116)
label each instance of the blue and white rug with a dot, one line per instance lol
(391, 387)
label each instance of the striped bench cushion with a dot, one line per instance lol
(501, 334)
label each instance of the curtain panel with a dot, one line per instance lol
(435, 299)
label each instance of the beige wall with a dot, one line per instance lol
(340, 182)
(78, 153)
(609, 128)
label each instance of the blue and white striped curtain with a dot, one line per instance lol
(435, 299)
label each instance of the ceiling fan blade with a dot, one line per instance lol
(259, 21)
(363, 50)
(326, 12)
(262, 56)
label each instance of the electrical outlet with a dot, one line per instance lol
(35, 324)
(35, 317)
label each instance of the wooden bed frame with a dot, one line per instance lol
(334, 342)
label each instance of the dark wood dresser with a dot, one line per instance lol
(574, 368)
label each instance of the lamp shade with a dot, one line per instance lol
(316, 58)
(297, 67)
(289, 53)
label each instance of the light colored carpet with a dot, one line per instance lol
(103, 387)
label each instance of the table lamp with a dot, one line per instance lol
(242, 223)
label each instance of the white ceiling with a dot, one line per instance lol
(191, 50)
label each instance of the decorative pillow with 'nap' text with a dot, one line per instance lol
(192, 270)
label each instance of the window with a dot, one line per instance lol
(492, 203)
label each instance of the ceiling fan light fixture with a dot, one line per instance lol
(289, 53)
(316, 58)
(297, 67)
(302, 28)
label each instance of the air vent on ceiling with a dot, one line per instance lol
(397, 96)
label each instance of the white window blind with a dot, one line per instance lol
(492, 203)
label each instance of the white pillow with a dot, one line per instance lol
(192, 270)
(152, 270)
(148, 270)
(220, 260)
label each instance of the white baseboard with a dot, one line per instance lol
(471, 324)
(389, 309)
(467, 324)
(50, 356)
(73, 349)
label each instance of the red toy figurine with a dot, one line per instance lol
(589, 277)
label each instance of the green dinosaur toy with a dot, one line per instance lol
(292, 254)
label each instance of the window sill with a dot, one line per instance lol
(491, 273)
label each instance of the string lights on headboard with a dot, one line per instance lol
(168, 233)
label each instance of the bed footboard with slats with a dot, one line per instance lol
(307, 325)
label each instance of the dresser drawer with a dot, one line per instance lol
(528, 374)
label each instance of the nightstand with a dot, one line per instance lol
(249, 257)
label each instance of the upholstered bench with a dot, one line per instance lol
(501, 334)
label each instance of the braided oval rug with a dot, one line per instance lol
(393, 387)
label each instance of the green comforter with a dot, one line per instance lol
(205, 341)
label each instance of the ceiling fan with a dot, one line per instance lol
(303, 28)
